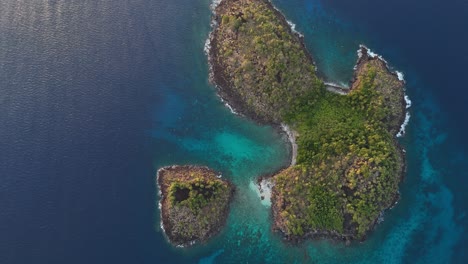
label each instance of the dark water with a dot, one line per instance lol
(76, 84)
(95, 96)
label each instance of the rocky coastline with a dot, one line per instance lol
(363, 59)
(227, 95)
(184, 220)
(226, 91)
(216, 71)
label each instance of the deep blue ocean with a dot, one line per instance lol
(95, 96)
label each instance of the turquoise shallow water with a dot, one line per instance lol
(95, 96)
(424, 227)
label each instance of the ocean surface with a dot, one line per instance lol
(95, 96)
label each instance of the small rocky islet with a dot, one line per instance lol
(194, 203)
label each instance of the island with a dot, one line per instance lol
(346, 164)
(194, 203)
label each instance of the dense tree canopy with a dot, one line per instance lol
(349, 164)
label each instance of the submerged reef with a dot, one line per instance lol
(194, 203)
(348, 164)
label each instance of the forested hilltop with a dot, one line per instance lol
(349, 164)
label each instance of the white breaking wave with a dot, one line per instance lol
(370, 53)
(191, 243)
(403, 126)
(408, 101)
(359, 51)
(293, 28)
(407, 118)
(263, 190)
(400, 75)
(207, 46)
(214, 4)
(228, 106)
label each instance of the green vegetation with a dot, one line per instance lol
(195, 203)
(196, 193)
(348, 164)
(265, 64)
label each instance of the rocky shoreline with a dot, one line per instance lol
(231, 99)
(363, 59)
(203, 221)
(227, 94)
(216, 72)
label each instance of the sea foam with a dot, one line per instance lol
(400, 75)
(228, 106)
(407, 118)
(293, 28)
(370, 53)
(214, 4)
(263, 190)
